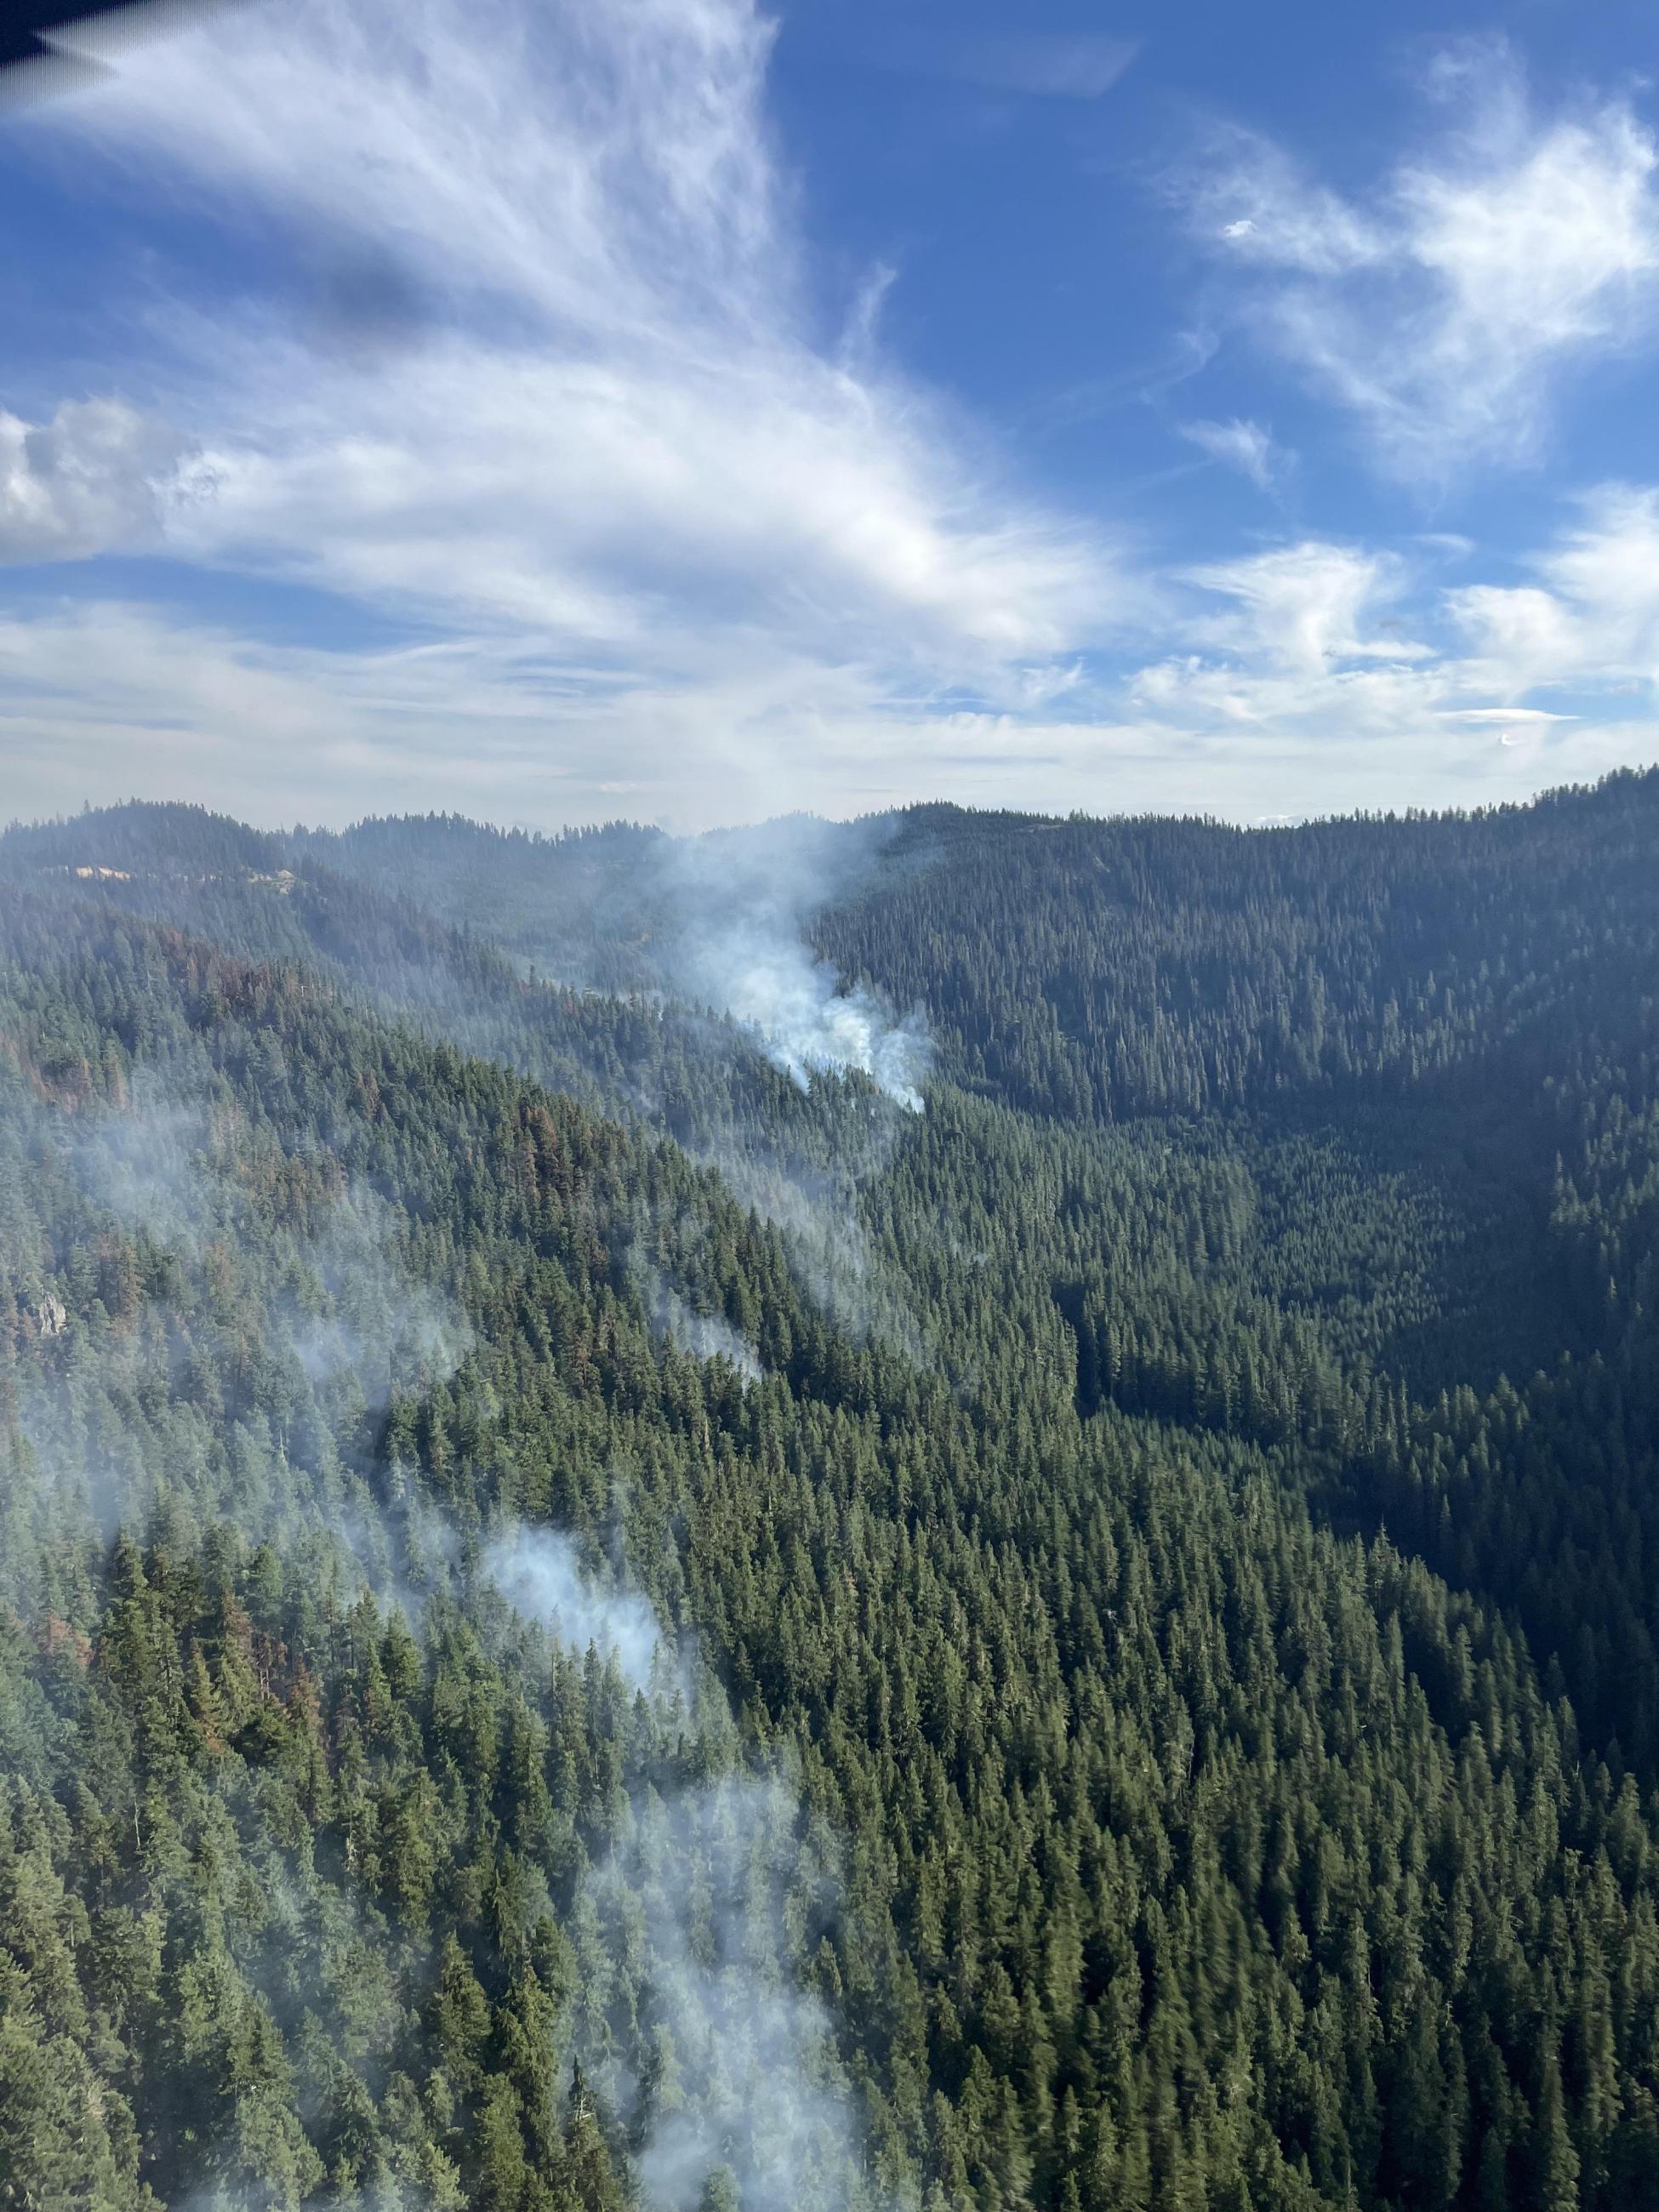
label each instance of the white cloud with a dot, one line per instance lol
(1592, 621)
(1304, 654)
(1444, 306)
(1238, 444)
(659, 539)
(1304, 606)
(1305, 678)
(607, 416)
(98, 476)
(99, 699)
(1249, 195)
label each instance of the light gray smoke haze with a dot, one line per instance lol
(674, 1321)
(726, 1890)
(721, 922)
(724, 1893)
(806, 1023)
(743, 902)
(540, 1573)
(343, 1325)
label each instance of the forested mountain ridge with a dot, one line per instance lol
(1120, 969)
(1117, 968)
(1089, 1646)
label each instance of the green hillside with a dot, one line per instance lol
(594, 1612)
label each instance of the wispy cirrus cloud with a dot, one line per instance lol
(1590, 621)
(1305, 606)
(1247, 446)
(614, 423)
(653, 524)
(1442, 307)
(1306, 676)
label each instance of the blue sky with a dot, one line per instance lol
(667, 409)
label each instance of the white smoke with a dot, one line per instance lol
(768, 980)
(817, 1205)
(148, 1163)
(724, 920)
(730, 2071)
(741, 901)
(344, 1324)
(540, 1573)
(674, 1321)
(707, 1336)
(746, 2081)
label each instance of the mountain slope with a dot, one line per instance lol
(529, 1677)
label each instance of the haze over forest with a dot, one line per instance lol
(829, 1107)
(953, 1512)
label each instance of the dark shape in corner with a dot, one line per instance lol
(34, 64)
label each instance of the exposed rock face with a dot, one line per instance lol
(50, 1316)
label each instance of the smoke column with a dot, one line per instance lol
(733, 2088)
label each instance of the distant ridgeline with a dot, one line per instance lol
(596, 1611)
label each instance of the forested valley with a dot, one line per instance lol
(949, 1514)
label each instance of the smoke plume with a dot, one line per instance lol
(727, 2080)
(743, 2080)
(540, 1573)
(744, 902)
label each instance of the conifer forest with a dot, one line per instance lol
(956, 1513)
